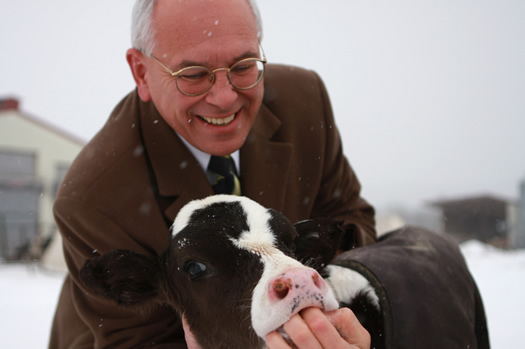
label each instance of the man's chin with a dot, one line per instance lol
(219, 147)
(223, 151)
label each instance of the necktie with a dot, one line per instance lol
(222, 175)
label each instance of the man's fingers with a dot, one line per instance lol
(274, 340)
(349, 327)
(323, 329)
(300, 333)
(313, 329)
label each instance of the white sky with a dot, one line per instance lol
(429, 95)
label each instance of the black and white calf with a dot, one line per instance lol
(236, 270)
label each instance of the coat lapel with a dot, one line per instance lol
(178, 175)
(265, 164)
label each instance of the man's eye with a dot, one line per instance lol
(195, 269)
(194, 75)
(242, 67)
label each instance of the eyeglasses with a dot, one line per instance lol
(196, 80)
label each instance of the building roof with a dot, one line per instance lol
(12, 104)
(482, 201)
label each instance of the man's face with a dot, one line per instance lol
(213, 34)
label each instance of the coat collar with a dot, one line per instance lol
(180, 178)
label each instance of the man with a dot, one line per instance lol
(127, 185)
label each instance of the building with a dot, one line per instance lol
(486, 218)
(34, 157)
(517, 239)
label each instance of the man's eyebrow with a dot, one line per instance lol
(188, 63)
(248, 54)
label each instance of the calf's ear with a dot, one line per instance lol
(128, 277)
(317, 241)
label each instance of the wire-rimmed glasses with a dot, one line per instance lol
(197, 80)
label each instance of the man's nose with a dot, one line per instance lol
(222, 93)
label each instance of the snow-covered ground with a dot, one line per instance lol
(28, 297)
(500, 276)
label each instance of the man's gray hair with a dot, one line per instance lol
(143, 31)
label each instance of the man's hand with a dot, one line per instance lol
(312, 328)
(191, 342)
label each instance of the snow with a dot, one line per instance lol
(500, 276)
(28, 297)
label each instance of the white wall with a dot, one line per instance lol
(50, 146)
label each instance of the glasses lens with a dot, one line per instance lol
(194, 80)
(247, 73)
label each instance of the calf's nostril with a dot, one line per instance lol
(281, 287)
(317, 280)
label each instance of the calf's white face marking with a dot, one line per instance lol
(267, 314)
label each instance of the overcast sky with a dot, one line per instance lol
(429, 95)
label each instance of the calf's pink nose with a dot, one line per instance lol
(296, 282)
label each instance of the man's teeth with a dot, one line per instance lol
(219, 121)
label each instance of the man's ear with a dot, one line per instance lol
(139, 69)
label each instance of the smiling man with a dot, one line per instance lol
(209, 114)
(204, 91)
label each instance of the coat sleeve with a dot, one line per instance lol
(340, 192)
(424, 287)
(88, 320)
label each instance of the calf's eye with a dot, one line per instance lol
(195, 269)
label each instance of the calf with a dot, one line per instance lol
(236, 270)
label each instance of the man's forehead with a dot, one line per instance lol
(204, 32)
(190, 19)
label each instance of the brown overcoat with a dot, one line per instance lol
(127, 185)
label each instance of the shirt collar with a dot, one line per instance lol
(204, 158)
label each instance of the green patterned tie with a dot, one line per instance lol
(222, 175)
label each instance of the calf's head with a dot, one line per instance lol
(230, 268)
